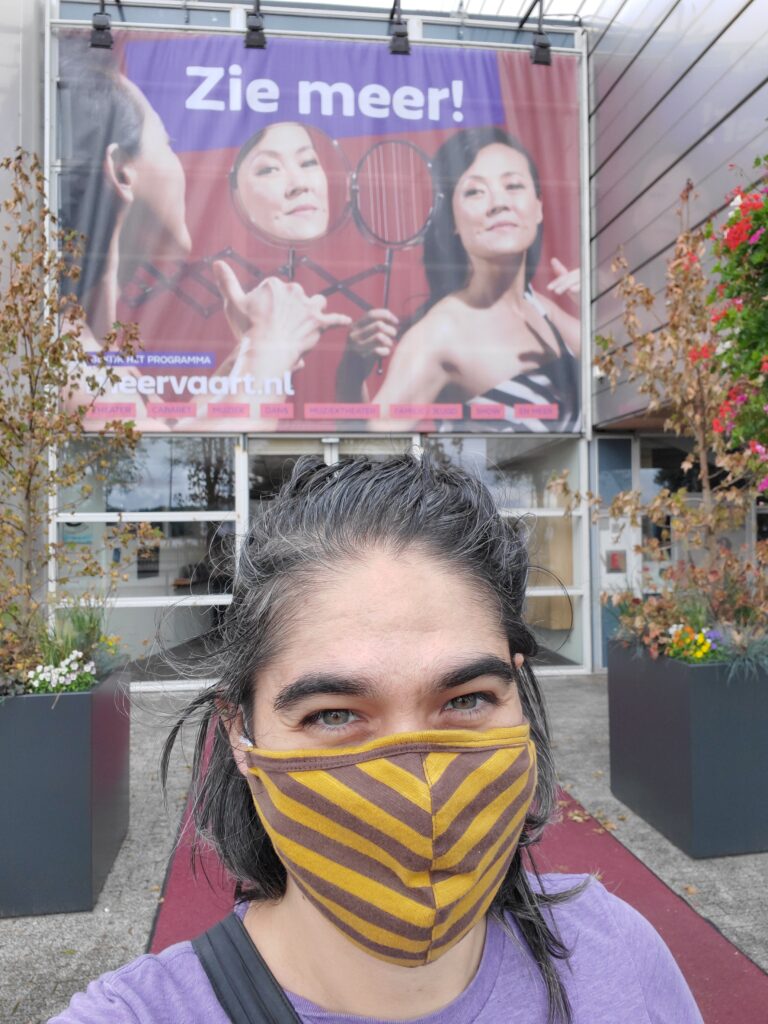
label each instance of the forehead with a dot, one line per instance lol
(398, 619)
(498, 159)
(285, 138)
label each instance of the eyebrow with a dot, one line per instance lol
(330, 683)
(504, 174)
(277, 156)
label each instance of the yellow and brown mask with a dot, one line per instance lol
(401, 842)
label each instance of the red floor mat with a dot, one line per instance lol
(728, 986)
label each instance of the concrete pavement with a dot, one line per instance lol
(46, 959)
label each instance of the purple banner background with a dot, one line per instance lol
(160, 69)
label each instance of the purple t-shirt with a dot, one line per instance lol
(620, 970)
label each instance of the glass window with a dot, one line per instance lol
(614, 456)
(554, 550)
(160, 642)
(164, 474)
(762, 522)
(181, 559)
(516, 470)
(375, 448)
(557, 624)
(271, 461)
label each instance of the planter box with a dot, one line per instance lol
(63, 798)
(689, 751)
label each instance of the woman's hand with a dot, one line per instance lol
(566, 280)
(274, 317)
(374, 335)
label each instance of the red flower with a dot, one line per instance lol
(737, 234)
(717, 426)
(764, 365)
(695, 354)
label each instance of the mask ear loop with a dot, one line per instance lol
(244, 736)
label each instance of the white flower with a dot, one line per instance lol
(735, 202)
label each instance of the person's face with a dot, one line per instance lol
(394, 643)
(282, 186)
(158, 208)
(495, 206)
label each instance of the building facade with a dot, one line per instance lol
(659, 94)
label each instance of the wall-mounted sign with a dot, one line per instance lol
(317, 234)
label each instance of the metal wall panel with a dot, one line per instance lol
(619, 46)
(21, 75)
(718, 84)
(687, 101)
(673, 48)
(649, 224)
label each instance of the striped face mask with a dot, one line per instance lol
(402, 842)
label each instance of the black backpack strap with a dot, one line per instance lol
(244, 985)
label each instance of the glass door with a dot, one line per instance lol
(271, 461)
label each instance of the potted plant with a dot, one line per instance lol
(688, 666)
(63, 727)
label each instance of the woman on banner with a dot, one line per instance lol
(123, 188)
(373, 766)
(484, 337)
(280, 186)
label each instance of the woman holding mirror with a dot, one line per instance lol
(123, 188)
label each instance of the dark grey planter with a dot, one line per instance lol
(64, 775)
(689, 751)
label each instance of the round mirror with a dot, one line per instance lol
(290, 183)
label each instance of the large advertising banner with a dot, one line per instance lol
(323, 235)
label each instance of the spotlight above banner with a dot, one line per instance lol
(542, 47)
(255, 38)
(101, 34)
(399, 43)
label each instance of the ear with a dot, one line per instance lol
(232, 722)
(120, 172)
(540, 214)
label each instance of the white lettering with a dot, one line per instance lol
(146, 385)
(327, 93)
(197, 385)
(218, 385)
(262, 95)
(178, 386)
(374, 100)
(408, 103)
(127, 385)
(434, 98)
(235, 87)
(211, 77)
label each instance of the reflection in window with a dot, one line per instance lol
(515, 469)
(181, 559)
(556, 623)
(164, 474)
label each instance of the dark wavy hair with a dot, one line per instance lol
(322, 517)
(446, 263)
(97, 109)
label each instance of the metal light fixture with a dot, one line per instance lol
(254, 28)
(101, 35)
(399, 43)
(541, 52)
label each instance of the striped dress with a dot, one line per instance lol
(555, 388)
